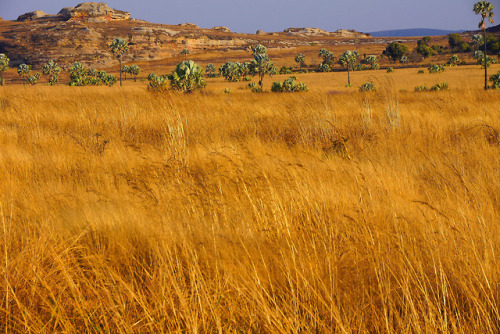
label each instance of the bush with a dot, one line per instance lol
(495, 78)
(251, 85)
(324, 68)
(367, 87)
(33, 79)
(157, 83)
(439, 86)
(436, 69)
(390, 70)
(421, 88)
(187, 77)
(226, 90)
(289, 86)
(421, 72)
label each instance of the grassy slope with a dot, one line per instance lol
(123, 211)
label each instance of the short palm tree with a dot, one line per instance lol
(185, 52)
(300, 58)
(134, 70)
(23, 70)
(119, 47)
(348, 60)
(485, 9)
(4, 66)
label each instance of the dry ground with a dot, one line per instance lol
(328, 211)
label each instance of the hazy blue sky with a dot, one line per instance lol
(276, 15)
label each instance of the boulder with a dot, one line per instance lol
(221, 29)
(93, 12)
(37, 14)
(260, 32)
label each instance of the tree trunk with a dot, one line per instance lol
(1, 78)
(485, 62)
(348, 75)
(120, 60)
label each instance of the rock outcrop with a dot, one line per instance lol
(37, 14)
(316, 32)
(93, 12)
(221, 29)
(260, 32)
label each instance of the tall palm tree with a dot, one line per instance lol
(485, 9)
(119, 47)
(348, 60)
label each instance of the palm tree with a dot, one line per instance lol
(134, 70)
(348, 59)
(485, 9)
(125, 70)
(185, 52)
(52, 69)
(24, 70)
(119, 47)
(261, 63)
(4, 66)
(300, 58)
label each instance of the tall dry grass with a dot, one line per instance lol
(126, 212)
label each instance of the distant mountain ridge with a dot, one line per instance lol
(416, 32)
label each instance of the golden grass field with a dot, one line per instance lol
(331, 211)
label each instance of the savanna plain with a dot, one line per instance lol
(328, 211)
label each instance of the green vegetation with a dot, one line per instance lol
(367, 87)
(261, 63)
(496, 80)
(396, 51)
(348, 60)
(300, 59)
(134, 70)
(4, 66)
(80, 76)
(485, 9)
(187, 77)
(289, 86)
(436, 69)
(52, 69)
(185, 52)
(119, 47)
(23, 70)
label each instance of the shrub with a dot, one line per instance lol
(4, 66)
(440, 86)
(33, 79)
(226, 90)
(367, 87)
(157, 82)
(421, 89)
(495, 78)
(324, 68)
(289, 86)
(390, 70)
(436, 69)
(396, 50)
(187, 77)
(231, 71)
(421, 72)
(251, 85)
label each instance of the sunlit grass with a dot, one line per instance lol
(125, 211)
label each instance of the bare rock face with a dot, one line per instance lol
(260, 32)
(221, 29)
(189, 25)
(306, 32)
(37, 14)
(93, 12)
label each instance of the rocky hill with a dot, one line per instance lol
(83, 33)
